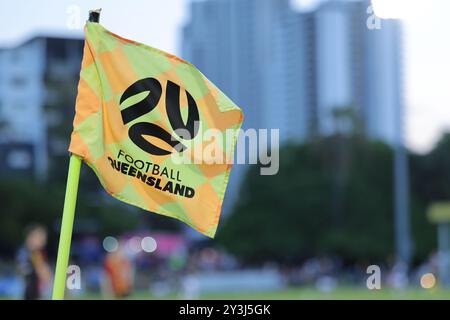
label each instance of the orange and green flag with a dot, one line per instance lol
(158, 134)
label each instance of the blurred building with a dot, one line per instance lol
(252, 50)
(358, 70)
(37, 79)
(16, 158)
(306, 73)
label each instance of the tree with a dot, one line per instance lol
(25, 202)
(295, 214)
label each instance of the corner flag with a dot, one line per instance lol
(140, 123)
(156, 132)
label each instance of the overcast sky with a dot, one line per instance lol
(158, 22)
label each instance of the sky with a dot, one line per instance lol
(154, 22)
(158, 23)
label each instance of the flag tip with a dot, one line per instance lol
(94, 15)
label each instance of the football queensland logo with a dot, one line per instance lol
(139, 130)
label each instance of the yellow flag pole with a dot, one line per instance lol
(65, 237)
(70, 201)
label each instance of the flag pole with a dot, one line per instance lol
(70, 200)
(65, 237)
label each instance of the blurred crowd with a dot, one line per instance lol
(167, 265)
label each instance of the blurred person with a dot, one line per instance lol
(190, 287)
(209, 259)
(398, 275)
(176, 264)
(118, 276)
(33, 265)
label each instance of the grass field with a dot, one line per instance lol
(344, 293)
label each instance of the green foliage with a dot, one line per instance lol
(26, 202)
(431, 177)
(333, 196)
(430, 182)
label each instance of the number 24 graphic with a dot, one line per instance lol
(140, 129)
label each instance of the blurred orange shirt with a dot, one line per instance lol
(119, 271)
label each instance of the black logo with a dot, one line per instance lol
(140, 129)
